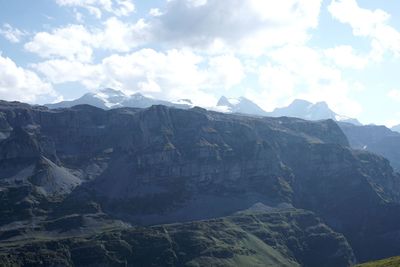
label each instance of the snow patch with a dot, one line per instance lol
(234, 101)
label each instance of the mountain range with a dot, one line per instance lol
(109, 98)
(377, 139)
(298, 109)
(239, 105)
(165, 186)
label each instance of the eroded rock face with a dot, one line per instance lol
(377, 139)
(164, 165)
(177, 164)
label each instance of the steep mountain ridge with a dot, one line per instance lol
(164, 165)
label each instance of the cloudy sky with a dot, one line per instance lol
(344, 52)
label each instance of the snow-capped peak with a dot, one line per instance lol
(234, 101)
(137, 96)
(110, 97)
(310, 111)
(239, 105)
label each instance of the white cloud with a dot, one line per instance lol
(248, 26)
(72, 42)
(394, 94)
(345, 56)
(290, 72)
(277, 85)
(213, 26)
(176, 72)
(78, 16)
(124, 7)
(394, 121)
(155, 12)
(120, 36)
(12, 34)
(363, 21)
(201, 45)
(17, 83)
(225, 71)
(77, 43)
(60, 71)
(149, 86)
(372, 24)
(196, 3)
(302, 72)
(96, 7)
(171, 75)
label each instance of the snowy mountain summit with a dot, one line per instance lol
(239, 105)
(109, 98)
(306, 110)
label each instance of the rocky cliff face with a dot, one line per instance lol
(166, 165)
(377, 139)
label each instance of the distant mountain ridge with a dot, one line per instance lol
(298, 108)
(109, 98)
(396, 128)
(240, 105)
(306, 110)
(377, 139)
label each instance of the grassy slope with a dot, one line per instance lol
(390, 262)
(286, 238)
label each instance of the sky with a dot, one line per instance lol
(343, 52)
